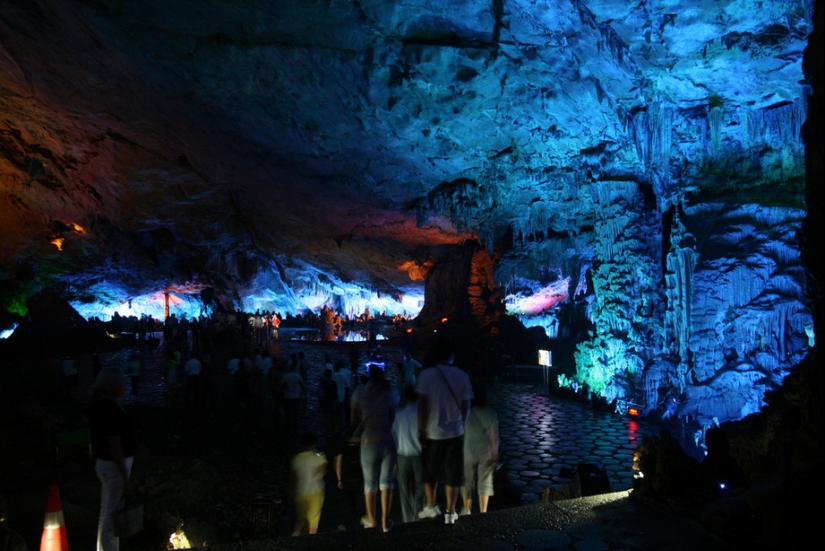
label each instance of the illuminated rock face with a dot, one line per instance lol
(638, 162)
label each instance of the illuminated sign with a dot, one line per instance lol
(545, 358)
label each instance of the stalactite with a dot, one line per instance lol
(652, 381)
(609, 38)
(715, 120)
(660, 138)
(651, 131)
(680, 263)
(745, 283)
(581, 284)
(779, 125)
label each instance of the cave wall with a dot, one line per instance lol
(635, 172)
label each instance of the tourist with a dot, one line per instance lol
(308, 470)
(263, 365)
(480, 453)
(257, 323)
(233, 365)
(294, 389)
(341, 382)
(68, 371)
(346, 377)
(276, 324)
(409, 473)
(192, 368)
(444, 393)
(373, 409)
(113, 442)
(350, 477)
(172, 365)
(328, 401)
(410, 370)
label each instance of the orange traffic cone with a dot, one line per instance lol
(54, 529)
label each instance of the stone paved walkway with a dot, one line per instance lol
(541, 436)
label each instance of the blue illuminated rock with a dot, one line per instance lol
(291, 155)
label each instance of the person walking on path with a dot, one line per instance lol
(308, 470)
(480, 453)
(410, 368)
(328, 401)
(294, 389)
(263, 365)
(445, 394)
(192, 368)
(409, 471)
(350, 477)
(373, 407)
(113, 442)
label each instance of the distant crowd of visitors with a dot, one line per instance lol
(432, 425)
(264, 326)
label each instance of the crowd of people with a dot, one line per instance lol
(432, 425)
(410, 429)
(264, 326)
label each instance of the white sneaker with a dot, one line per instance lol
(464, 513)
(429, 511)
(367, 524)
(450, 518)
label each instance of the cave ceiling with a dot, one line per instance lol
(278, 146)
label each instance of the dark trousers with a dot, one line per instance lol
(410, 486)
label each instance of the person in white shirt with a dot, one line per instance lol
(409, 473)
(192, 368)
(308, 470)
(445, 394)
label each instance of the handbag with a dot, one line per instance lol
(128, 520)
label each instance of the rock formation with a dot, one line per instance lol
(635, 171)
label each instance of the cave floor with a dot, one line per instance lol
(541, 438)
